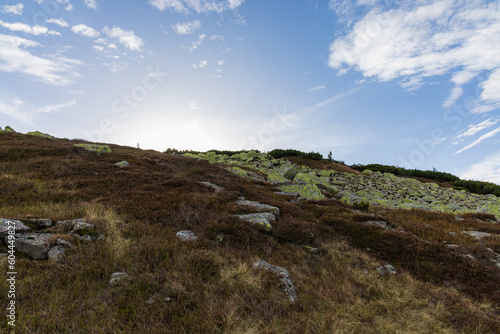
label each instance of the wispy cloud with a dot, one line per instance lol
(56, 107)
(15, 58)
(59, 22)
(198, 6)
(475, 128)
(455, 94)
(202, 64)
(13, 107)
(486, 170)
(23, 27)
(83, 30)
(412, 41)
(92, 4)
(482, 138)
(125, 37)
(316, 88)
(186, 28)
(12, 9)
(196, 44)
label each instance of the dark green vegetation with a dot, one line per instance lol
(279, 153)
(478, 187)
(211, 284)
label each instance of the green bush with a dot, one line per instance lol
(279, 153)
(361, 205)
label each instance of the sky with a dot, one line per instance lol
(414, 83)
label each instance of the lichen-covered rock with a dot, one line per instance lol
(75, 225)
(9, 224)
(306, 191)
(277, 178)
(9, 129)
(117, 278)
(56, 253)
(289, 172)
(261, 220)
(35, 245)
(213, 186)
(186, 235)
(259, 206)
(122, 164)
(95, 148)
(476, 234)
(386, 270)
(285, 279)
(40, 134)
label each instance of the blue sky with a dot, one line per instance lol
(408, 83)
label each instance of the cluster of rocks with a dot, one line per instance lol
(374, 188)
(33, 237)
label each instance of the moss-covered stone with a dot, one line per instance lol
(95, 148)
(277, 178)
(306, 191)
(238, 171)
(9, 129)
(40, 134)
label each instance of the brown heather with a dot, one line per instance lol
(213, 286)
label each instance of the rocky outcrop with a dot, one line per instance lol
(35, 245)
(9, 224)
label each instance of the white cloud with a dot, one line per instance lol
(316, 88)
(198, 6)
(23, 27)
(475, 128)
(421, 39)
(56, 107)
(99, 47)
(59, 22)
(220, 62)
(186, 28)
(13, 107)
(202, 64)
(482, 138)
(193, 105)
(216, 37)
(13, 9)
(455, 94)
(196, 44)
(486, 170)
(125, 37)
(83, 30)
(14, 58)
(92, 4)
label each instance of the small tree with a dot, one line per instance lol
(330, 157)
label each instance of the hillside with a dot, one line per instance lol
(207, 243)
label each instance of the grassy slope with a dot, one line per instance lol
(214, 288)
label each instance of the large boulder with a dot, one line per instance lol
(259, 206)
(9, 224)
(35, 245)
(305, 191)
(261, 220)
(56, 253)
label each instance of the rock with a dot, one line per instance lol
(40, 134)
(476, 234)
(386, 270)
(9, 129)
(376, 223)
(56, 253)
(7, 224)
(452, 246)
(459, 219)
(284, 193)
(39, 223)
(259, 206)
(259, 219)
(289, 172)
(306, 191)
(309, 249)
(154, 298)
(75, 225)
(186, 235)
(35, 245)
(213, 186)
(285, 279)
(117, 278)
(122, 164)
(469, 256)
(62, 242)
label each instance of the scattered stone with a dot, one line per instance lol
(259, 206)
(118, 277)
(386, 270)
(285, 279)
(459, 219)
(35, 245)
(186, 235)
(376, 223)
(285, 193)
(39, 223)
(452, 246)
(56, 253)
(469, 256)
(309, 249)
(213, 186)
(289, 172)
(75, 225)
(7, 224)
(154, 298)
(62, 242)
(122, 164)
(259, 219)
(476, 234)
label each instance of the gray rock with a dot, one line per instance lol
(259, 206)
(122, 164)
(56, 253)
(7, 224)
(35, 245)
(309, 249)
(386, 270)
(62, 242)
(289, 172)
(476, 234)
(286, 193)
(75, 225)
(118, 277)
(259, 219)
(40, 223)
(376, 223)
(457, 218)
(186, 235)
(213, 186)
(285, 279)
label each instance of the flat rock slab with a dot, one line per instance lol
(75, 224)
(376, 223)
(8, 224)
(186, 235)
(35, 245)
(262, 220)
(285, 279)
(39, 223)
(477, 234)
(213, 186)
(259, 206)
